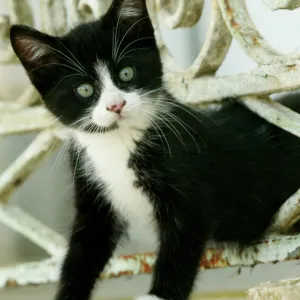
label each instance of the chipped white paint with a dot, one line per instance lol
(32, 229)
(26, 163)
(267, 252)
(288, 215)
(47, 271)
(29, 119)
(195, 85)
(30, 273)
(276, 113)
(20, 12)
(285, 290)
(282, 4)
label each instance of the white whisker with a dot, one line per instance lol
(134, 24)
(76, 62)
(155, 127)
(53, 64)
(121, 57)
(168, 124)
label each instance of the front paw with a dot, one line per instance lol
(148, 297)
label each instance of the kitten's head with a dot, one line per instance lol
(101, 75)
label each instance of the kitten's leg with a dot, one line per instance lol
(177, 264)
(94, 238)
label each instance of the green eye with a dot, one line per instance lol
(85, 90)
(126, 74)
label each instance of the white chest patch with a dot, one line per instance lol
(108, 156)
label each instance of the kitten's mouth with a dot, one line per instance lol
(94, 128)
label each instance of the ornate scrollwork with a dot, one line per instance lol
(19, 12)
(195, 85)
(180, 13)
(282, 4)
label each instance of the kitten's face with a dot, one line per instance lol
(102, 75)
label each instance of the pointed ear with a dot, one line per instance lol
(130, 9)
(33, 48)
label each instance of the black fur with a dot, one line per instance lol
(224, 182)
(87, 43)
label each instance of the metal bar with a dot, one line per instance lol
(26, 163)
(272, 250)
(29, 227)
(263, 80)
(25, 120)
(274, 112)
(288, 214)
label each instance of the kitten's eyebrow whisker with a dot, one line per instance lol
(54, 64)
(116, 36)
(76, 60)
(137, 40)
(117, 31)
(113, 41)
(134, 24)
(136, 49)
(64, 56)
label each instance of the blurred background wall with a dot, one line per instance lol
(47, 195)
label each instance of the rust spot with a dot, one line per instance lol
(255, 40)
(127, 257)
(213, 259)
(124, 273)
(291, 67)
(146, 268)
(11, 283)
(229, 11)
(116, 275)
(18, 182)
(234, 24)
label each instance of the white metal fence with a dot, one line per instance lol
(195, 85)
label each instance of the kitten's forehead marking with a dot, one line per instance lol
(105, 77)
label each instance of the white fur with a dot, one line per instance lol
(129, 10)
(148, 297)
(131, 113)
(109, 154)
(33, 49)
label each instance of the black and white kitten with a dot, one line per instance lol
(141, 159)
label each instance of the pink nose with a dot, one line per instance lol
(117, 108)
